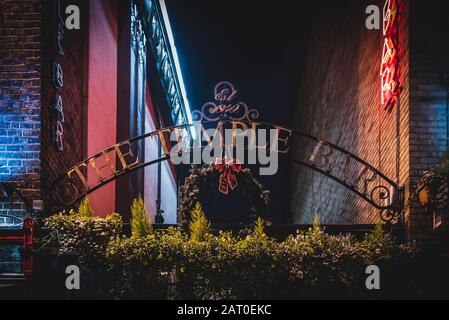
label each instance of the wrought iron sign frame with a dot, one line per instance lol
(391, 193)
(331, 160)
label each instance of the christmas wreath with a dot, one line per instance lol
(230, 176)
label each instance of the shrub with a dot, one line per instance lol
(82, 235)
(259, 228)
(436, 181)
(141, 226)
(142, 266)
(309, 264)
(84, 208)
(199, 226)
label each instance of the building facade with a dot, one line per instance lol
(340, 100)
(73, 87)
(69, 91)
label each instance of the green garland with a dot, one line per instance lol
(198, 180)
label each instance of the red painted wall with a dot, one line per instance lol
(102, 93)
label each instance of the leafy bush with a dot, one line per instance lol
(436, 181)
(314, 253)
(224, 266)
(141, 226)
(172, 264)
(142, 266)
(80, 234)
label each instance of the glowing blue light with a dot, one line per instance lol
(176, 62)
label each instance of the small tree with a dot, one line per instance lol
(84, 208)
(140, 221)
(199, 226)
(259, 228)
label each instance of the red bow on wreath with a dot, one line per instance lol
(227, 177)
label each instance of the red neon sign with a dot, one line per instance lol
(389, 69)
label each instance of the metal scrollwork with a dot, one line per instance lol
(355, 174)
(138, 34)
(381, 195)
(225, 107)
(390, 216)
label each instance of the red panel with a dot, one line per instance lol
(102, 93)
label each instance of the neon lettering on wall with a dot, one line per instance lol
(389, 70)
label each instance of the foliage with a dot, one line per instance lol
(170, 263)
(84, 208)
(143, 266)
(437, 183)
(199, 226)
(314, 253)
(141, 226)
(200, 178)
(79, 234)
(224, 266)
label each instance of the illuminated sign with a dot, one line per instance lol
(389, 70)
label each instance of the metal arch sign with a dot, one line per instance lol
(304, 149)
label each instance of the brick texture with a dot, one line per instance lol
(54, 162)
(20, 98)
(429, 61)
(339, 101)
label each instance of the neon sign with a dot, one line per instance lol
(389, 69)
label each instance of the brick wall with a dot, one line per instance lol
(339, 101)
(20, 97)
(54, 162)
(429, 61)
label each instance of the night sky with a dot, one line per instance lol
(257, 46)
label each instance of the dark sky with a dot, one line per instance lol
(256, 45)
